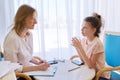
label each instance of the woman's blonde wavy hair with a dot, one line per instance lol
(19, 21)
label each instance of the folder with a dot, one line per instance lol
(50, 72)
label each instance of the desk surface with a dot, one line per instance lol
(83, 73)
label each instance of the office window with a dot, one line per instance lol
(58, 22)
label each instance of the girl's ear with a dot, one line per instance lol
(94, 30)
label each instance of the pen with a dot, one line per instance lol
(73, 69)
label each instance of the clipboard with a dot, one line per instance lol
(50, 72)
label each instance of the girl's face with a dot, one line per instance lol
(30, 21)
(87, 29)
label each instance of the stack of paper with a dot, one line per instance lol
(50, 72)
(6, 67)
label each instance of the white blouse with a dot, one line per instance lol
(17, 49)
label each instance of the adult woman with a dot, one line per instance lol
(18, 46)
(90, 49)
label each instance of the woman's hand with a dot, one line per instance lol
(43, 66)
(41, 61)
(37, 61)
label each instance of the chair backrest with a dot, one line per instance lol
(112, 52)
(1, 54)
(112, 48)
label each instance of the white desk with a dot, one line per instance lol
(63, 74)
(9, 76)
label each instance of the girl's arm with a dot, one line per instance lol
(82, 54)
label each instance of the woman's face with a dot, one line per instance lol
(87, 29)
(30, 21)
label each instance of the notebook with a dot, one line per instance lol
(50, 72)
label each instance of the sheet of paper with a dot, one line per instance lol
(49, 72)
(6, 67)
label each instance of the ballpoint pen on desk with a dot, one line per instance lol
(74, 69)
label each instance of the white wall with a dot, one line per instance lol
(7, 13)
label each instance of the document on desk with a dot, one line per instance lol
(6, 67)
(50, 72)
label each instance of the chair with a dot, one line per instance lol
(18, 74)
(74, 56)
(23, 75)
(112, 53)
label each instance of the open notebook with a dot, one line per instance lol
(50, 72)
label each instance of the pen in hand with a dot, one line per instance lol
(73, 69)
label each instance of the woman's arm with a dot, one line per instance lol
(37, 61)
(41, 67)
(11, 49)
